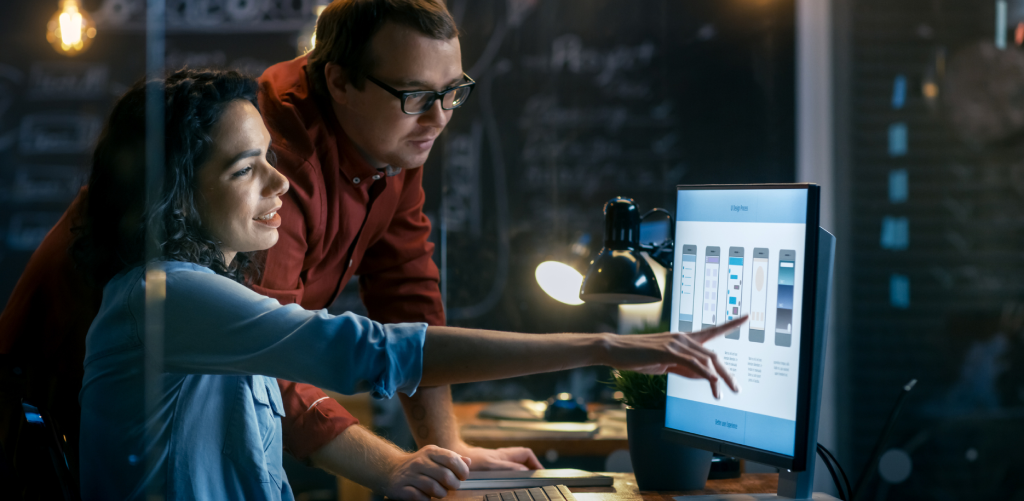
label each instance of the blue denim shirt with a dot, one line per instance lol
(218, 420)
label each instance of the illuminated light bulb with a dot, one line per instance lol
(930, 90)
(560, 281)
(70, 26)
(71, 30)
(1018, 34)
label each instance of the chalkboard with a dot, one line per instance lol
(579, 101)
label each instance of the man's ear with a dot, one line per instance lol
(337, 83)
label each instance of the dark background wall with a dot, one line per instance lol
(933, 241)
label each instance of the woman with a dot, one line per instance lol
(214, 431)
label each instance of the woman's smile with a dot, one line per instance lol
(271, 219)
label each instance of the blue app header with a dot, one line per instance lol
(743, 206)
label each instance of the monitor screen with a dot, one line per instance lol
(742, 251)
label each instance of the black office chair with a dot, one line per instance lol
(35, 463)
(41, 431)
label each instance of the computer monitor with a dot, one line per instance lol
(755, 250)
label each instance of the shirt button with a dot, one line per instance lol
(376, 177)
(356, 180)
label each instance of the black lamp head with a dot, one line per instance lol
(619, 274)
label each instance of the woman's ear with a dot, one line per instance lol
(337, 82)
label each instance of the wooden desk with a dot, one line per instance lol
(608, 440)
(625, 489)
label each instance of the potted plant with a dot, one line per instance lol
(659, 465)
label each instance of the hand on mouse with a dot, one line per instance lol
(430, 472)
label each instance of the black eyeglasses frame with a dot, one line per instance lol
(403, 95)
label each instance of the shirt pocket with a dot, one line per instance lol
(269, 409)
(254, 437)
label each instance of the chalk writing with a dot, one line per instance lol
(58, 133)
(462, 174)
(68, 80)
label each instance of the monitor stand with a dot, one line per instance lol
(793, 486)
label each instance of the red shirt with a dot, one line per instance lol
(341, 217)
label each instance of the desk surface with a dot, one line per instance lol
(610, 439)
(625, 489)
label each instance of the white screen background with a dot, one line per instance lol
(773, 395)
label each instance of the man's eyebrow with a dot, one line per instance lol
(423, 85)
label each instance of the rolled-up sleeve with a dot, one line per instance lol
(217, 326)
(404, 350)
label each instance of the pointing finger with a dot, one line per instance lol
(724, 372)
(709, 334)
(719, 367)
(701, 370)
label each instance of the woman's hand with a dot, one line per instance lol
(426, 473)
(675, 352)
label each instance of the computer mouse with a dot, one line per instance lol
(563, 407)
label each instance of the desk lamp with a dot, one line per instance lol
(619, 274)
(561, 275)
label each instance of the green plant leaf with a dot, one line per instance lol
(640, 391)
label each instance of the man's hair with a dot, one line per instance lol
(345, 28)
(111, 234)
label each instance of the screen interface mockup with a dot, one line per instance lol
(749, 246)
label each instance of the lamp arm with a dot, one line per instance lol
(652, 211)
(664, 252)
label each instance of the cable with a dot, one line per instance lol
(827, 457)
(876, 453)
(842, 473)
(832, 471)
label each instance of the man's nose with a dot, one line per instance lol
(435, 116)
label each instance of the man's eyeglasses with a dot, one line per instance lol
(420, 101)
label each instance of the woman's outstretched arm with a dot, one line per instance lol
(456, 355)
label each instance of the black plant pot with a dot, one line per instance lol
(660, 465)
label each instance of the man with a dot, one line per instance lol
(352, 146)
(331, 230)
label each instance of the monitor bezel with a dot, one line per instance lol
(797, 462)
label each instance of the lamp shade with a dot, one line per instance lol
(619, 274)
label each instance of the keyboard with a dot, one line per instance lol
(546, 493)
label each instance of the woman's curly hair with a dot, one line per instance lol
(111, 234)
